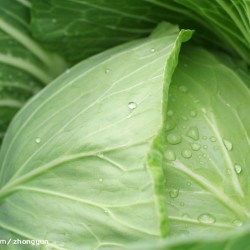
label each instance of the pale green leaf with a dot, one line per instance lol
(207, 145)
(74, 163)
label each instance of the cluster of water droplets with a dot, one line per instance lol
(192, 132)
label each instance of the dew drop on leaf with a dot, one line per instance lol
(170, 112)
(237, 223)
(193, 133)
(183, 88)
(169, 125)
(100, 155)
(184, 118)
(204, 111)
(237, 168)
(170, 155)
(206, 218)
(174, 193)
(107, 71)
(185, 216)
(186, 153)
(174, 138)
(195, 146)
(193, 113)
(228, 145)
(38, 140)
(67, 71)
(132, 105)
(100, 180)
(212, 139)
(152, 50)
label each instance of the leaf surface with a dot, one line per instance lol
(207, 144)
(85, 27)
(74, 164)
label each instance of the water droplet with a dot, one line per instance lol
(184, 118)
(205, 146)
(169, 125)
(174, 193)
(183, 88)
(195, 146)
(229, 172)
(193, 133)
(237, 223)
(186, 153)
(107, 71)
(174, 138)
(170, 155)
(100, 155)
(132, 105)
(54, 20)
(237, 168)
(204, 111)
(38, 140)
(228, 145)
(212, 139)
(185, 216)
(170, 112)
(193, 113)
(185, 65)
(67, 71)
(206, 218)
(100, 180)
(152, 50)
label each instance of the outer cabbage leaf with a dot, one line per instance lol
(87, 27)
(74, 163)
(222, 23)
(207, 148)
(25, 67)
(84, 27)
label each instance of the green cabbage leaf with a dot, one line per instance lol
(81, 28)
(25, 67)
(75, 163)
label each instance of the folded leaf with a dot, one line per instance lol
(207, 146)
(25, 67)
(74, 163)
